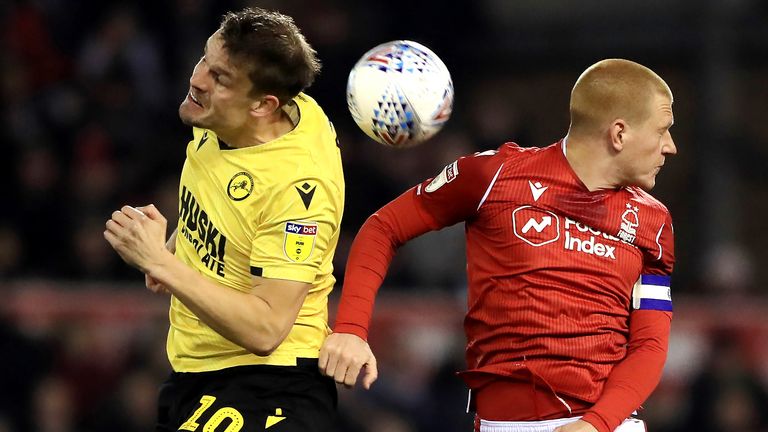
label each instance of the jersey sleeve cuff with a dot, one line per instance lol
(595, 420)
(287, 273)
(354, 329)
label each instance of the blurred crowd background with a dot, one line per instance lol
(90, 92)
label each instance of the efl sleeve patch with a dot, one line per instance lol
(299, 240)
(447, 175)
(652, 292)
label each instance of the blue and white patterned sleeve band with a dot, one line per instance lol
(652, 292)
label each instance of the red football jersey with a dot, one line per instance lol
(551, 266)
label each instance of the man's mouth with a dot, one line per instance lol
(194, 99)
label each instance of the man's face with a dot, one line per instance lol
(647, 145)
(218, 97)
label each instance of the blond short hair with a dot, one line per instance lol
(612, 89)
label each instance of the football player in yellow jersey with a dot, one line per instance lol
(249, 266)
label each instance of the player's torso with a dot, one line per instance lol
(225, 195)
(214, 234)
(546, 263)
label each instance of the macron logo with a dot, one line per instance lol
(538, 226)
(537, 190)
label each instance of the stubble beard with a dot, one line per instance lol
(186, 119)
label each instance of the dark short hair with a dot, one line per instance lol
(268, 44)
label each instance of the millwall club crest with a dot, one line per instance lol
(629, 223)
(299, 240)
(240, 186)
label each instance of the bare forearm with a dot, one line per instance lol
(257, 320)
(242, 318)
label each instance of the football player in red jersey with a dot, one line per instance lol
(568, 261)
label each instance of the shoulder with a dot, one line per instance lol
(474, 171)
(653, 223)
(647, 200)
(513, 160)
(508, 156)
(309, 108)
(513, 152)
(301, 167)
(305, 99)
(313, 124)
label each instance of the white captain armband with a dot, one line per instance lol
(652, 292)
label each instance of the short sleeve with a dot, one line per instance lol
(296, 231)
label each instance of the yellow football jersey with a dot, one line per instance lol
(272, 210)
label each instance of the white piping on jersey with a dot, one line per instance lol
(565, 141)
(657, 241)
(487, 191)
(570, 411)
(469, 402)
(418, 189)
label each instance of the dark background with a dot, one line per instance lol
(90, 91)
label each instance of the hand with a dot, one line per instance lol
(343, 356)
(137, 235)
(577, 426)
(155, 286)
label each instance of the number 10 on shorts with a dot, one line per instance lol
(226, 413)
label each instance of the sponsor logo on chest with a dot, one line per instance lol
(581, 238)
(198, 227)
(538, 227)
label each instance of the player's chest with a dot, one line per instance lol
(530, 236)
(537, 234)
(215, 204)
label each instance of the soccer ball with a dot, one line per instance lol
(400, 93)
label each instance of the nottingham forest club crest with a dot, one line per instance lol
(629, 223)
(240, 186)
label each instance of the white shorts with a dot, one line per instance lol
(629, 425)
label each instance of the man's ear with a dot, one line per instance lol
(618, 131)
(265, 106)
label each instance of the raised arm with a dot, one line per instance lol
(258, 320)
(454, 195)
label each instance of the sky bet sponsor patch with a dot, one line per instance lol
(299, 240)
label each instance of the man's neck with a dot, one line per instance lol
(592, 165)
(259, 131)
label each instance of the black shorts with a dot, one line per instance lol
(249, 398)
